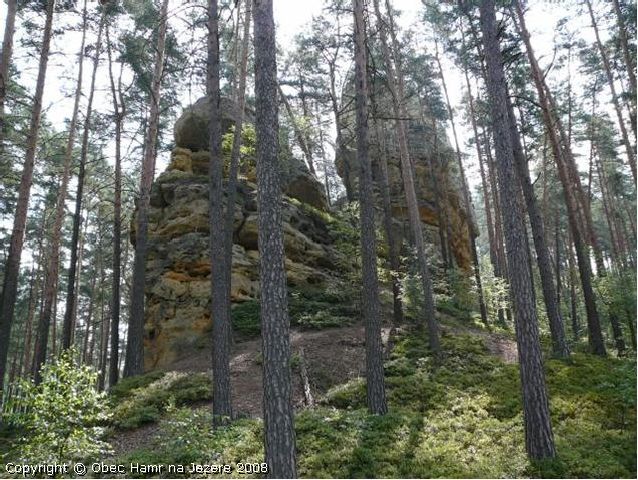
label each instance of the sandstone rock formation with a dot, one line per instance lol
(421, 140)
(178, 262)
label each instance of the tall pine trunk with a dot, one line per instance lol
(119, 111)
(395, 83)
(52, 268)
(135, 341)
(631, 154)
(233, 171)
(550, 295)
(69, 313)
(220, 302)
(539, 439)
(375, 383)
(572, 191)
(279, 430)
(629, 62)
(467, 196)
(5, 60)
(12, 265)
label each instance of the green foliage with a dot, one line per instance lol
(460, 418)
(312, 309)
(411, 293)
(495, 290)
(246, 150)
(124, 388)
(137, 405)
(186, 436)
(325, 217)
(346, 234)
(617, 292)
(63, 418)
(320, 309)
(245, 318)
(463, 418)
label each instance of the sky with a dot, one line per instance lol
(291, 17)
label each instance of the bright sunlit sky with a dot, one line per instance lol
(291, 17)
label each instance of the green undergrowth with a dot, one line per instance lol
(325, 217)
(461, 418)
(308, 309)
(143, 399)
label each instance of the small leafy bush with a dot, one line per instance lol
(63, 418)
(147, 403)
(186, 436)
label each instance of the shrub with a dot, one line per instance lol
(63, 418)
(145, 404)
(245, 318)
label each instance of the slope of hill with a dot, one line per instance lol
(461, 418)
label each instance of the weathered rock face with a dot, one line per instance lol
(421, 141)
(178, 263)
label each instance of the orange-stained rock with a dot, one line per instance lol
(178, 263)
(420, 141)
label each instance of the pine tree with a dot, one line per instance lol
(5, 59)
(278, 413)
(375, 384)
(220, 303)
(135, 341)
(395, 83)
(12, 266)
(539, 439)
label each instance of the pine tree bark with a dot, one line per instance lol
(52, 267)
(467, 196)
(334, 102)
(5, 60)
(395, 84)
(220, 302)
(89, 320)
(631, 153)
(539, 439)
(301, 139)
(573, 299)
(391, 239)
(135, 340)
(324, 160)
(26, 353)
(78, 277)
(279, 427)
(559, 342)
(69, 313)
(572, 194)
(629, 63)
(119, 111)
(435, 181)
(375, 383)
(486, 192)
(234, 157)
(12, 266)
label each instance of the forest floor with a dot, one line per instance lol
(460, 418)
(333, 356)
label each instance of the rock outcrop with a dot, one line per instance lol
(421, 140)
(178, 263)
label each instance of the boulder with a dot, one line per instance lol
(178, 260)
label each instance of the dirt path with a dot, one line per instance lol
(332, 356)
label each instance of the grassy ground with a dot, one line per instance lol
(459, 419)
